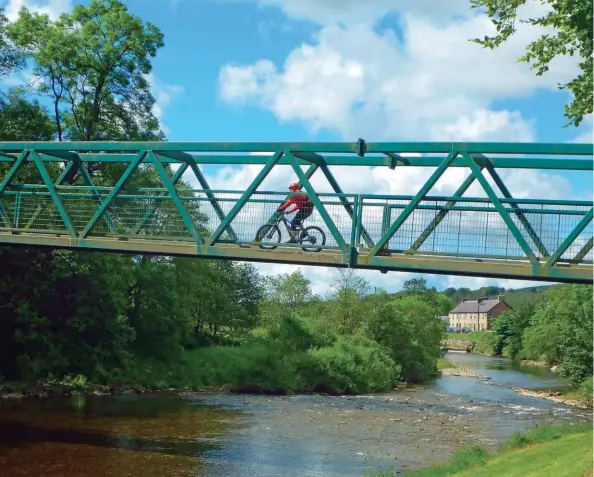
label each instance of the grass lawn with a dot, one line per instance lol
(555, 451)
(570, 456)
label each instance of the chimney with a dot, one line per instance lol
(480, 299)
(500, 298)
(463, 300)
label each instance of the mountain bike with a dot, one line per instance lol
(272, 233)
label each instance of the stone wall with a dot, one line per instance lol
(458, 344)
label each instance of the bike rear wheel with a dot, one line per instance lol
(315, 236)
(268, 233)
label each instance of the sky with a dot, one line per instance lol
(337, 70)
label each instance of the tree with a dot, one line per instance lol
(407, 328)
(229, 298)
(285, 295)
(561, 331)
(94, 64)
(417, 287)
(509, 329)
(21, 120)
(573, 24)
(290, 290)
(347, 310)
(80, 312)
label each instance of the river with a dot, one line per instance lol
(301, 435)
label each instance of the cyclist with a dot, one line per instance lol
(303, 204)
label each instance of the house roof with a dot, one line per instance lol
(471, 306)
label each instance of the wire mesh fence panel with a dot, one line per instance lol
(475, 228)
(32, 212)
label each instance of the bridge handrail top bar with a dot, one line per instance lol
(12, 190)
(320, 147)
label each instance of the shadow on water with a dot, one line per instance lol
(16, 434)
(109, 436)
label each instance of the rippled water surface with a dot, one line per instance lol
(233, 435)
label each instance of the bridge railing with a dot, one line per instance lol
(441, 226)
(472, 227)
(151, 213)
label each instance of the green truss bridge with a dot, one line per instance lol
(127, 197)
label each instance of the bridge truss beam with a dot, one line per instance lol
(128, 197)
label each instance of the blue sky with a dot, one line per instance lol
(325, 70)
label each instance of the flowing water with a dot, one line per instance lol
(304, 435)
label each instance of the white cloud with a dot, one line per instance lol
(486, 125)
(53, 8)
(164, 94)
(357, 81)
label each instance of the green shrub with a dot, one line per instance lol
(355, 367)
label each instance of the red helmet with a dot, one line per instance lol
(294, 186)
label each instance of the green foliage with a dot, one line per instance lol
(72, 322)
(586, 390)
(408, 330)
(443, 363)
(484, 342)
(287, 293)
(514, 298)
(355, 365)
(417, 287)
(23, 120)
(509, 329)
(346, 308)
(466, 458)
(290, 358)
(572, 27)
(570, 308)
(558, 330)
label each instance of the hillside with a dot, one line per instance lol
(515, 298)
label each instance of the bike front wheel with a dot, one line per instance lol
(268, 233)
(313, 235)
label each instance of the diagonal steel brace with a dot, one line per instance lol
(318, 203)
(244, 198)
(521, 217)
(501, 209)
(190, 161)
(383, 241)
(334, 184)
(570, 239)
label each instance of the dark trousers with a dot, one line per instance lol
(303, 214)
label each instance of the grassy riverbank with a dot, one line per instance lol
(549, 451)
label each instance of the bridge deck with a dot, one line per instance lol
(487, 234)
